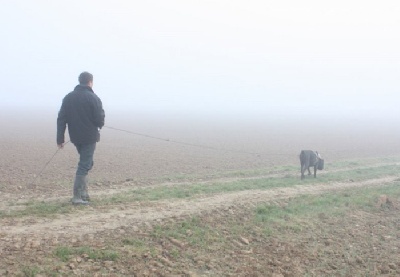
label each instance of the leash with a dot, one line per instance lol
(183, 143)
(44, 167)
(161, 139)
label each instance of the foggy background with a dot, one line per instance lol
(284, 57)
(311, 72)
(264, 77)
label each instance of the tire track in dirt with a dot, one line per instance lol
(91, 220)
(54, 194)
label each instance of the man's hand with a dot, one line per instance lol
(60, 146)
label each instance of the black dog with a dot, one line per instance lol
(308, 159)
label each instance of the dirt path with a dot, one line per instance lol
(54, 193)
(90, 220)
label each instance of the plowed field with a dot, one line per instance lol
(179, 198)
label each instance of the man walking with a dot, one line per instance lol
(82, 112)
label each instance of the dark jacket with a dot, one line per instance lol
(83, 112)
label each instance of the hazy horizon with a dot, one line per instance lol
(292, 58)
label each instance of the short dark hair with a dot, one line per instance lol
(85, 78)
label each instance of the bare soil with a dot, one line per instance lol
(351, 246)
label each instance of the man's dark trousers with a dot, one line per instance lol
(86, 152)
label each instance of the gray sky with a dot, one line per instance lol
(333, 56)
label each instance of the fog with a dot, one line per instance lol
(256, 60)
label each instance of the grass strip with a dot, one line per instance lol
(45, 209)
(331, 204)
(192, 190)
(225, 232)
(300, 216)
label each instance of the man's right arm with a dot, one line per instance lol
(99, 113)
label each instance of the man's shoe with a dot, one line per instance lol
(80, 191)
(79, 202)
(86, 198)
(84, 194)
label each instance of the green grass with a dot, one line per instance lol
(229, 174)
(30, 271)
(204, 235)
(294, 217)
(330, 204)
(367, 162)
(39, 209)
(193, 232)
(133, 242)
(140, 247)
(200, 234)
(192, 190)
(352, 170)
(64, 253)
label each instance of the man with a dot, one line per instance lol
(82, 111)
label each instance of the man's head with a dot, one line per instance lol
(86, 79)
